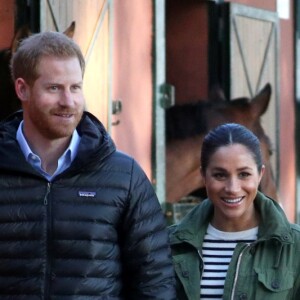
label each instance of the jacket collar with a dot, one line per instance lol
(95, 143)
(192, 228)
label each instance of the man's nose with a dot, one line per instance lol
(66, 98)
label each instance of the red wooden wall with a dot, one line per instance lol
(6, 22)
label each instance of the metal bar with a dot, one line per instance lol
(243, 57)
(52, 15)
(272, 33)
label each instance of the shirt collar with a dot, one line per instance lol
(68, 156)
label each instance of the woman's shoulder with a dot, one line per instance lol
(295, 228)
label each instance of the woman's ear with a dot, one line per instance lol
(262, 171)
(22, 89)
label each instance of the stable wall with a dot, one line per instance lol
(132, 78)
(6, 22)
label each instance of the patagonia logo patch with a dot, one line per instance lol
(87, 194)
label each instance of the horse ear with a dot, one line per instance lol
(260, 103)
(70, 30)
(216, 94)
(22, 33)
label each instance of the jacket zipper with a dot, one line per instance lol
(48, 269)
(47, 193)
(237, 270)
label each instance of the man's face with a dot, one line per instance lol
(54, 103)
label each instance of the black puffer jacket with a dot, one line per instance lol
(96, 232)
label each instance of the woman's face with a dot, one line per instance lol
(232, 179)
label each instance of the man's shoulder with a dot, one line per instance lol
(124, 162)
(122, 156)
(120, 161)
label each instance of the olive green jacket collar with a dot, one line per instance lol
(273, 223)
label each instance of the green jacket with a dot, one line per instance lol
(267, 269)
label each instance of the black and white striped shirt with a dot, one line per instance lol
(217, 250)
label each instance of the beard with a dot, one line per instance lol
(54, 124)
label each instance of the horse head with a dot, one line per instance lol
(186, 126)
(9, 101)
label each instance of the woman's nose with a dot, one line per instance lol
(232, 184)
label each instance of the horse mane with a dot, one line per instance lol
(191, 119)
(186, 120)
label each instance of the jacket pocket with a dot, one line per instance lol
(276, 281)
(188, 278)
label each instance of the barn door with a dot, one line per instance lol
(93, 34)
(250, 60)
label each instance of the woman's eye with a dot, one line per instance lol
(245, 174)
(219, 176)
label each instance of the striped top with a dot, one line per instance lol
(217, 250)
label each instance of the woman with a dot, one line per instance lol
(238, 243)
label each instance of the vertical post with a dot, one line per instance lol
(110, 78)
(159, 77)
(297, 106)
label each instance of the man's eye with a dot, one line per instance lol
(53, 87)
(76, 88)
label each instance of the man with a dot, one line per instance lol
(78, 219)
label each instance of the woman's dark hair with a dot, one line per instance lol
(229, 134)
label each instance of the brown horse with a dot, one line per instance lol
(9, 102)
(186, 126)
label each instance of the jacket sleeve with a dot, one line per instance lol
(148, 270)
